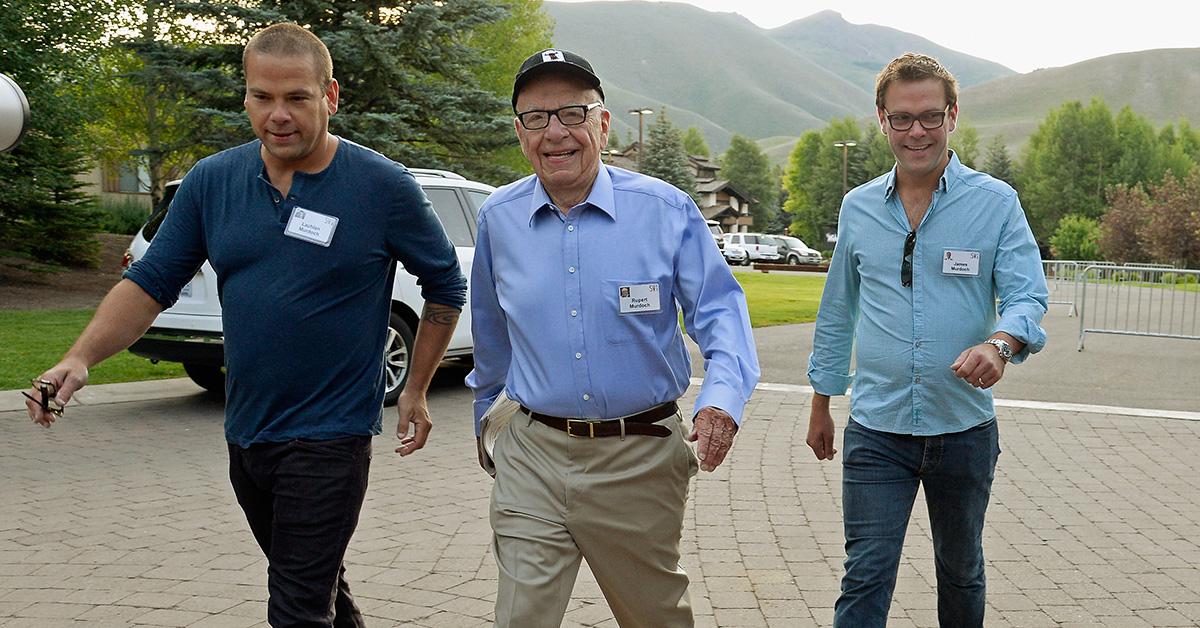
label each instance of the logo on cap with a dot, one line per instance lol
(551, 55)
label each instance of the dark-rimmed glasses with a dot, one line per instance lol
(906, 262)
(571, 115)
(46, 388)
(929, 120)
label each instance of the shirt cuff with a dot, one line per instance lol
(1026, 330)
(828, 383)
(722, 396)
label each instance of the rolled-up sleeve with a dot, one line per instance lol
(833, 339)
(1020, 284)
(489, 328)
(716, 317)
(416, 238)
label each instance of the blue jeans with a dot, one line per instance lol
(302, 499)
(880, 475)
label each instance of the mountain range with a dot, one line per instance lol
(725, 75)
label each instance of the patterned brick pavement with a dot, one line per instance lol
(122, 516)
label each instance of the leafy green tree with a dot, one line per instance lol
(1077, 237)
(814, 176)
(745, 166)
(44, 213)
(664, 156)
(1180, 150)
(694, 144)
(407, 68)
(1139, 159)
(1067, 164)
(996, 161)
(965, 142)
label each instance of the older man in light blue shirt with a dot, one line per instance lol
(923, 254)
(580, 275)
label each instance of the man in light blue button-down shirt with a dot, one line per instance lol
(580, 275)
(924, 254)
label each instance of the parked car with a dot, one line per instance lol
(757, 250)
(735, 256)
(190, 332)
(714, 227)
(794, 251)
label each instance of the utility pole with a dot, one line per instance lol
(845, 145)
(641, 114)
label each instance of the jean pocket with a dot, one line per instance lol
(347, 448)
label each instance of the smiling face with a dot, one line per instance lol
(289, 108)
(566, 159)
(921, 154)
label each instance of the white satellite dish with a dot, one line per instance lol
(14, 114)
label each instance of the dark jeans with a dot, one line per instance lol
(880, 475)
(302, 499)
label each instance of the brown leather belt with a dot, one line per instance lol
(640, 424)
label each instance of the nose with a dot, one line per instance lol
(279, 113)
(556, 127)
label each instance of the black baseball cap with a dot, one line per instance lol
(555, 60)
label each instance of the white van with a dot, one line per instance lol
(757, 249)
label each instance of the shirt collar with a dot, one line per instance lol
(949, 176)
(601, 196)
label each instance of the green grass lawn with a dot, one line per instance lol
(34, 340)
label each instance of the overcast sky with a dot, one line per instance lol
(1022, 34)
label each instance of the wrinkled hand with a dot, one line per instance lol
(820, 433)
(981, 366)
(414, 414)
(65, 378)
(485, 462)
(714, 429)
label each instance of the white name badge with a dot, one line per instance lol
(964, 263)
(311, 226)
(639, 298)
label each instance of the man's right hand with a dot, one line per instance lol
(66, 377)
(820, 429)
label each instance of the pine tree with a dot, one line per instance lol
(748, 169)
(664, 156)
(997, 163)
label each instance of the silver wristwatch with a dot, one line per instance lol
(1003, 347)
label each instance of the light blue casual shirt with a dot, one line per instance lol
(905, 338)
(546, 302)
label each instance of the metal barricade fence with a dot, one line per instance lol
(1138, 301)
(1062, 280)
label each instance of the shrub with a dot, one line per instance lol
(123, 217)
(1077, 237)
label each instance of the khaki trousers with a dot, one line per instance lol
(617, 503)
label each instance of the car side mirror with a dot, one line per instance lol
(14, 114)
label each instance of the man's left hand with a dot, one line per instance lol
(414, 415)
(714, 429)
(981, 366)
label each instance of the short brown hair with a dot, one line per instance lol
(288, 39)
(912, 66)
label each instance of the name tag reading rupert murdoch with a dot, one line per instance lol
(640, 298)
(311, 226)
(964, 263)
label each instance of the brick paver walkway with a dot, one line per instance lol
(122, 516)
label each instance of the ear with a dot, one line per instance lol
(605, 121)
(953, 114)
(331, 96)
(882, 120)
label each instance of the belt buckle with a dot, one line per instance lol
(591, 428)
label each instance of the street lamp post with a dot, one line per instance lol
(641, 114)
(845, 145)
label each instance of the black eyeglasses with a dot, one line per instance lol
(46, 388)
(906, 261)
(929, 120)
(571, 115)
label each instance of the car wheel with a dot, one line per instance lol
(793, 260)
(397, 358)
(746, 261)
(210, 378)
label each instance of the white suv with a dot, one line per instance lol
(190, 331)
(757, 249)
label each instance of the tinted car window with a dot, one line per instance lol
(160, 213)
(450, 211)
(475, 199)
(751, 239)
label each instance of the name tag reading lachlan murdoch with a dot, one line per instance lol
(640, 298)
(311, 226)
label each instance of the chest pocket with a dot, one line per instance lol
(631, 327)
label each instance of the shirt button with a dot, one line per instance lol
(571, 269)
(578, 356)
(574, 312)
(917, 379)
(586, 396)
(570, 227)
(917, 344)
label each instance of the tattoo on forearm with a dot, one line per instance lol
(436, 314)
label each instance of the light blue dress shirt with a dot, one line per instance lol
(546, 302)
(905, 338)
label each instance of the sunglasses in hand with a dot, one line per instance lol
(47, 389)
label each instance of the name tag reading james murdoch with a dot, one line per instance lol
(311, 226)
(640, 298)
(964, 263)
